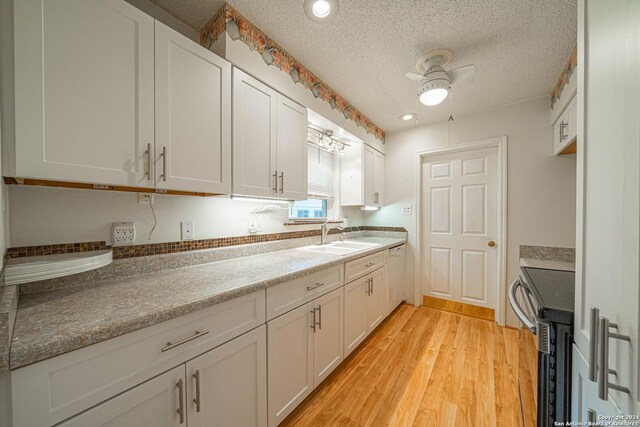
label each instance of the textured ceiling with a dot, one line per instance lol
(518, 46)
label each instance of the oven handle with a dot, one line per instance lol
(513, 302)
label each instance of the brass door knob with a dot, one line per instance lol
(491, 243)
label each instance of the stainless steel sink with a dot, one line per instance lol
(341, 248)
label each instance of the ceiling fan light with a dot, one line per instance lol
(434, 92)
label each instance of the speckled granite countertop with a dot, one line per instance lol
(548, 264)
(58, 322)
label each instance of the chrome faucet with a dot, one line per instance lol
(324, 230)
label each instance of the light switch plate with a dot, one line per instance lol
(187, 230)
(406, 210)
(123, 233)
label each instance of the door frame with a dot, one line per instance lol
(501, 144)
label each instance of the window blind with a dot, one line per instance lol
(320, 172)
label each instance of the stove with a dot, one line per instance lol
(543, 300)
(553, 292)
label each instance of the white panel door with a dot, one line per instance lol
(193, 115)
(84, 72)
(356, 295)
(378, 299)
(152, 403)
(290, 361)
(328, 338)
(228, 385)
(378, 178)
(368, 168)
(291, 151)
(608, 188)
(254, 136)
(459, 221)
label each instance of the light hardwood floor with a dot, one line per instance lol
(422, 367)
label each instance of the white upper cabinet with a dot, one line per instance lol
(84, 95)
(291, 149)
(106, 95)
(254, 135)
(193, 115)
(361, 176)
(269, 141)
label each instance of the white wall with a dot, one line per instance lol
(541, 188)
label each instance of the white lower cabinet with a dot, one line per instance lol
(365, 307)
(156, 402)
(228, 385)
(328, 336)
(305, 346)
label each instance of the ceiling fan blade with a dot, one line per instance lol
(461, 73)
(413, 76)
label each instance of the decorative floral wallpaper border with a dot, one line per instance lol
(228, 20)
(568, 70)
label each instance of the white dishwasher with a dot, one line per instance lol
(397, 257)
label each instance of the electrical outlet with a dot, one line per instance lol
(406, 210)
(187, 230)
(145, 198)
(123, 233)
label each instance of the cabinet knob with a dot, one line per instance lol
(491, 243)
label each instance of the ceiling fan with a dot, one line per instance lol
(435, 80)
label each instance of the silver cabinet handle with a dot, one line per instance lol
(171, 345)
(370, 264)
(180, 410)
(147, 165)
(281, 182)
(313, 323)
(368, 287)
(320, 316)
(275, 181)
(317, 285)
(164, 164)
(563, 125)
(592, 416)
(376, 197)
(603, 373)
(513, 302)
(593, 344)
(372, 286)
(196, 376)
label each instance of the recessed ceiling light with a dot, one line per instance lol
(408, 116)
(321, 10)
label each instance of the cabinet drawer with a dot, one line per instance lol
(292, 294)
(359, 267)
(55, 389)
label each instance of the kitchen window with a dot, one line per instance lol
(321, 172)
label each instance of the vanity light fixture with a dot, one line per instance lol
(408, 116)
(321, 11)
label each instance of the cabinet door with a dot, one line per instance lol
(153, 403)
(377, 300)
(356, 295)
(367, 165)
(84, 99)
(378, 178)
(291, 149)
(328, 337)
(228, 385)
(254, 136)
(573, 120)
(193, 115)
(290, 361)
